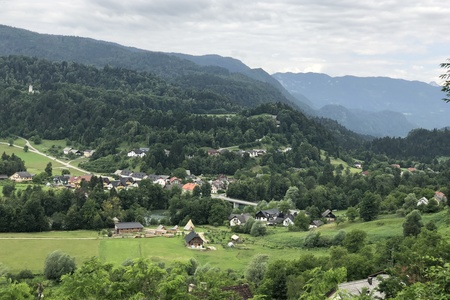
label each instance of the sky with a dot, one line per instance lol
(405, 39)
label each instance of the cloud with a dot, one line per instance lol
(396, 38)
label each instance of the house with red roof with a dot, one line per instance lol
(189, 187)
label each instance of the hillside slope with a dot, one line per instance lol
(420, 103)
(178, 70)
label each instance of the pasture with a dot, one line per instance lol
(28, 250)
(36, 163)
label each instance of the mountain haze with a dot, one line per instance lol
(367, 122)
(420, 103)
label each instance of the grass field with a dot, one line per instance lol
(28, 250)
(34, 162)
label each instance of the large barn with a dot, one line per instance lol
(128, 227)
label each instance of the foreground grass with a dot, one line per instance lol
(28, 250)
(161, 249)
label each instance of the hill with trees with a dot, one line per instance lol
(239, 87)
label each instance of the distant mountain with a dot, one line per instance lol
(240, 89)
(236, 66)
(420, 103)
(376, 124)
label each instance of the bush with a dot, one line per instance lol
(312, 239)
(25, 274)
(338, 239)
(258, 229)
(57, 264)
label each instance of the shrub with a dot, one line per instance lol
(338, 239)
(25, 274)
(258, 229)
(312, 239)
(57, 264)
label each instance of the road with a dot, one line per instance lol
(34, 150)
(243, 202)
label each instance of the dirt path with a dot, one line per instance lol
(34, 150)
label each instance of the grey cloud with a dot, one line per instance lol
(395, 38)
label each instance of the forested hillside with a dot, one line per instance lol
(86, 104)
(420, 144)
(239, 88)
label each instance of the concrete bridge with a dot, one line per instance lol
(236, 202)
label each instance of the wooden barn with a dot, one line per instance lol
(193, 240)
(128, 227)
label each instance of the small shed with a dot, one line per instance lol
(328, 215)
(160, 230)
(173, 229)
(193, 240)
(235, 238)
(128, 227)
(189, 226)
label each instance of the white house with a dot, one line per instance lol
(422, 201)
(136, 153)
(288, 220)
(238, 219)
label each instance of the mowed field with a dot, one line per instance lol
(28, 250)
(36, 163)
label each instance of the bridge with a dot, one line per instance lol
(236, 202)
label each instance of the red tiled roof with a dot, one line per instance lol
(189, 186)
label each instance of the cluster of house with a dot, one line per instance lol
(251, 153)
(192, 239)
(273, 217)
(85, 153)
(141, 152)
(129, 179)
(438, 196)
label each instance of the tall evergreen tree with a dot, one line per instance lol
(370, 206)
(413, 224)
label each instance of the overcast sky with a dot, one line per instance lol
(401, 39)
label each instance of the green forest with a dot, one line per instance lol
(309, 164)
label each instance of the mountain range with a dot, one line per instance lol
(371, 105)
(376, 106)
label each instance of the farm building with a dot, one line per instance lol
(189, 226)
(128, 227)
(193, 240)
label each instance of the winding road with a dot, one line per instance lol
(34, 150)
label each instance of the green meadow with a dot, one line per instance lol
(28, 250)
(36, 163)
